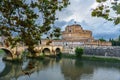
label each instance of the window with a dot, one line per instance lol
(70, 30)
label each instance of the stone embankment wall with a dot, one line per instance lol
(109, 51)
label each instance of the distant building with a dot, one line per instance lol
(75, 32)
(74, 36)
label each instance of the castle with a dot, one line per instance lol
(75, 32)
(74, 36)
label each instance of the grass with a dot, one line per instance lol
(91, 58)
(94, 58)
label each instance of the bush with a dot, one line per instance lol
(78, 52)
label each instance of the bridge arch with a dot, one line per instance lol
(46, 51)
(57, 50)
(8, 52)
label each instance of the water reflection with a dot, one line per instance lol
(10, 70)
(2, 65)
(15, 70)
(60, 69)
(73, 69)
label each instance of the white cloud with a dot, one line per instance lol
(77, 10)
(95, 4)
(80, 11)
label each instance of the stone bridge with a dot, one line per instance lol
(16, 52)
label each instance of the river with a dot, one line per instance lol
(59, 69)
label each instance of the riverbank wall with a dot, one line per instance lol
(107, 51)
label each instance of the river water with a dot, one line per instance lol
(59, 69)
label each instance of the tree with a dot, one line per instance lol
(79, 52)
(28, 20)
(115, 42)
(57, 32)
(101, 39)
(54, 33)
(119, 38)
(106, 8)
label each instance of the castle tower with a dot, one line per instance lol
(75, 32)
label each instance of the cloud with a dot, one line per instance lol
(107, 36)
(102, 30)
(77, 10)
(105, 30)
(80, 11)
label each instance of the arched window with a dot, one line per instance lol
(70, 30)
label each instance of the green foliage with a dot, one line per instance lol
(101, 39)
(104, 10)
(116, 7)
(99, 12)
(101, 1)
(79, 52)
(57, 32)
(115, 42)
(19, 18)
(117, 20)
(103, 59)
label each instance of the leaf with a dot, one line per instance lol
(117, 20)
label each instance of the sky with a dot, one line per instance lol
(79, 11)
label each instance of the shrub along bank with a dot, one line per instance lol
(79, 52)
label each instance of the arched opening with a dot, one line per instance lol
(57, 51)
(46, 51)
(7, 52)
